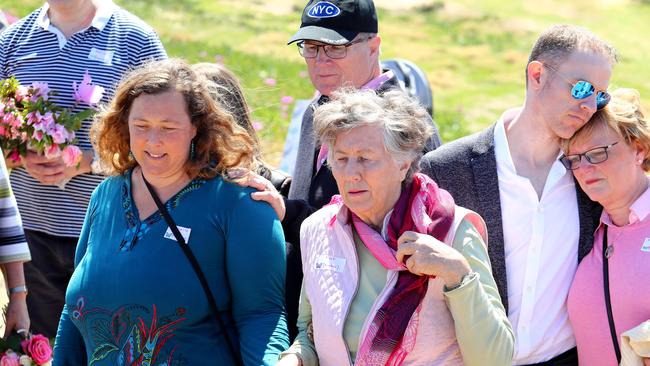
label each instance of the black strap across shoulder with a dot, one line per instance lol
(608, 303)
(197, 269)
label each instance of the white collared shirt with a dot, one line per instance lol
(103, 14)
(541, 245)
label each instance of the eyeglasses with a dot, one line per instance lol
(594, 156)
(308, 50)
(582, 89)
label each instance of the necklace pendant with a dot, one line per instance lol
(609, 251)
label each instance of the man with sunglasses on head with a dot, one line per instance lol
(340, 44)
(540, 223)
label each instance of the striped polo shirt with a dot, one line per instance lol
(13, 245)
(34, 50)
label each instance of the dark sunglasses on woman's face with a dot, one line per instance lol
(582, 89)
(594, 156)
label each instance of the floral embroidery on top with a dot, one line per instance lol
(127, 337)
(136, 229)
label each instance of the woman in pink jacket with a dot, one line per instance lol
(610, 157)
(394, 272)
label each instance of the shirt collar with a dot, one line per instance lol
(103, 14)
(501, 148)
(639, 210)
(505, 164)
(377, 82)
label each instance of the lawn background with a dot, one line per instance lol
(474, 52)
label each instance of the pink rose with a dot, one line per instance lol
(38, 348)
(71, 155)
(10, 359)
(87, 92)
(52, 152)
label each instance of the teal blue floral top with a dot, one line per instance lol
(134, 298)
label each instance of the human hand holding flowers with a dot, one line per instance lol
(55, 170)
(31, 123)
(16, 316)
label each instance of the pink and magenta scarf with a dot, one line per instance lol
(424, 208)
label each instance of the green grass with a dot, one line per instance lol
(473, 52)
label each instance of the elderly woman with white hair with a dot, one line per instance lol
(394, 272)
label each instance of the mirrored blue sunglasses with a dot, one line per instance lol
(582, 89)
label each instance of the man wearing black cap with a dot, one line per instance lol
(340, 44)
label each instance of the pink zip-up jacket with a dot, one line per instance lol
(467, 325)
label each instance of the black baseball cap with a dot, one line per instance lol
(336, 21)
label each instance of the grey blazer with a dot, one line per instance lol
(467, 168)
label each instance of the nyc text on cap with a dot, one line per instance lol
(336, 21)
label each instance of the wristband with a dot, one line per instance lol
(18, 289)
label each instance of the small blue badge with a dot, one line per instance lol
(324, 9)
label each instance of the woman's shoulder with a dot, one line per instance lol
(110, 185)
(225, 189)
(326, 216)
(231, 196)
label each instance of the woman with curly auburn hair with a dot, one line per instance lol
(170, 268)
(610, 158)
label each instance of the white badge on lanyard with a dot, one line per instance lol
(185, 233)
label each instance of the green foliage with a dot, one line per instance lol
(9, 86)
(10, 343)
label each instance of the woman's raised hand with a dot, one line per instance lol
(425, 255)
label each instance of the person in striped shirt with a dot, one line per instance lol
(57, 44)
(13, 252)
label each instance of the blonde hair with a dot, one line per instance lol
(625, 116)
(220, 143)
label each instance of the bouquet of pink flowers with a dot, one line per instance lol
(29, 120)
(36, 349)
